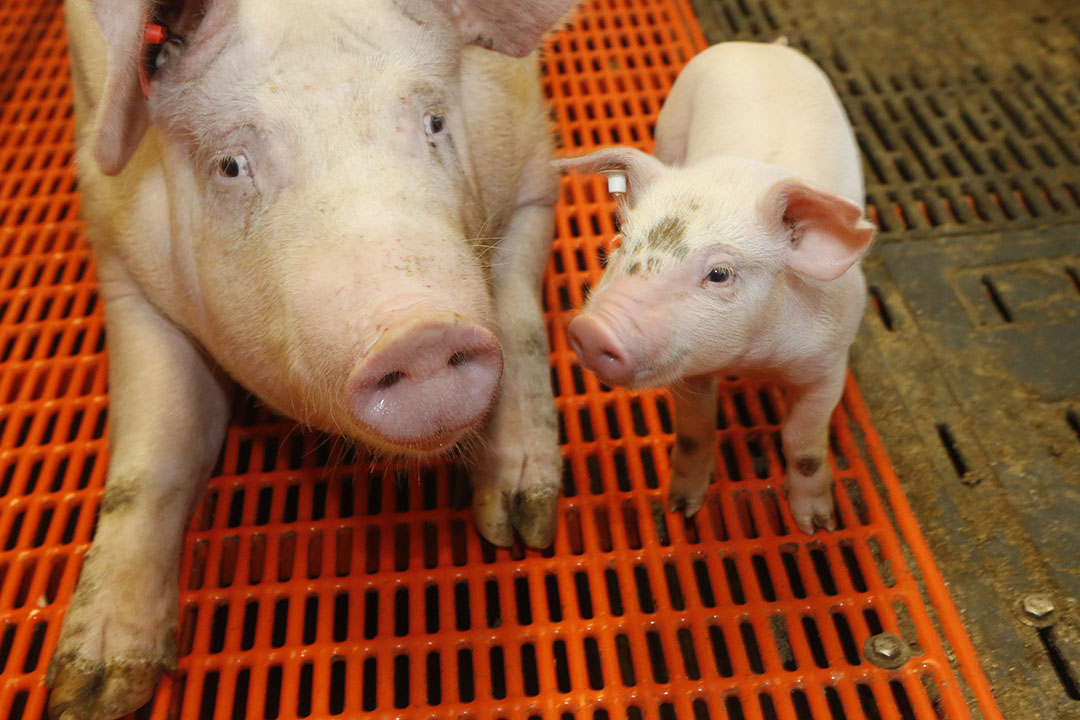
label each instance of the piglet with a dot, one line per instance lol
(740, 247)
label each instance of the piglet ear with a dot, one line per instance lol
(122, 115)
(628, 169)
(828, 232)
(513, 27)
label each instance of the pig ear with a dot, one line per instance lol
(828, 232)
(122, 115)
(639, 168)
(513, 27)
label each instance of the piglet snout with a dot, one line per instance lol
(426, 381)
(600, 349)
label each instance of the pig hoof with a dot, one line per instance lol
(83, 689)
(686, 504)
(117, 637)
(534, 515)
(492, 517)
(813, 512)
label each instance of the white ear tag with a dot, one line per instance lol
(616, 182)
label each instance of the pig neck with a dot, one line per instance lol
(507, 169)
(801, 328)
(794, 336)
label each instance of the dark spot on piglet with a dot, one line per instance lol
(807, 464)
(666, 236)
(687, 444)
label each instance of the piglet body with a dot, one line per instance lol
(740, 250)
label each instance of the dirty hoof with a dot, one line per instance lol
(83, 690)
(534, 515)
(119, 633)
(492, 517)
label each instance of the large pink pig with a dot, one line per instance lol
(344, 206)
(740, 249)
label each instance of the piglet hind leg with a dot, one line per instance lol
(805, 438)
(516, 467)
(168, 408)
(692, 458)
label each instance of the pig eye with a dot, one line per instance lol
(720, 275)
(233, 166)
(434, 123)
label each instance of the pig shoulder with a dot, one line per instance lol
(817, 324)
(509, 141)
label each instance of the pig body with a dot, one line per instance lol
(739, 255)
(344, 207)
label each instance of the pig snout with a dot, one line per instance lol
(598, 346)
(426, 381)
(622, 333)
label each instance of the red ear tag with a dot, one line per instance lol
(153, 34)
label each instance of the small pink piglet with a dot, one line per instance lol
(740, 251)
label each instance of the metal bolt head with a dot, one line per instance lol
(886, 650)
(1037, 610)
(887, 646)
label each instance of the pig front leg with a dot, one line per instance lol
(805, 438)
(692, 459)
(516, 468)
(168, 407)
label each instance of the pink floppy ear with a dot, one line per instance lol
(513, 27)
(123, 117)
(123, 113)
(640, 168)
(828, 232)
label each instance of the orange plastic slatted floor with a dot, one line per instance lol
(319, 584)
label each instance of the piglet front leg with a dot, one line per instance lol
(693, 458)
(515, 470)
(168, 407)
(805, 438)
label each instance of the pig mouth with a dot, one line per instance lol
(421, 447)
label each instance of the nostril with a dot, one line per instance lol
(390, 379)
(459, 358)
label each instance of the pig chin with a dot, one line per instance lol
(426, 447)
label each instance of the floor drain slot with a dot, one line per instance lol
(882, 309)
(949, 443)
(1062, 668)
(996, 299)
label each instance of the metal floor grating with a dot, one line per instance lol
(967, 112)
(317, 583)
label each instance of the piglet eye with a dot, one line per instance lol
(434, 123)
(233, 166)
(721, 275)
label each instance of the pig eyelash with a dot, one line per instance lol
(234, 166)
(720, 275)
